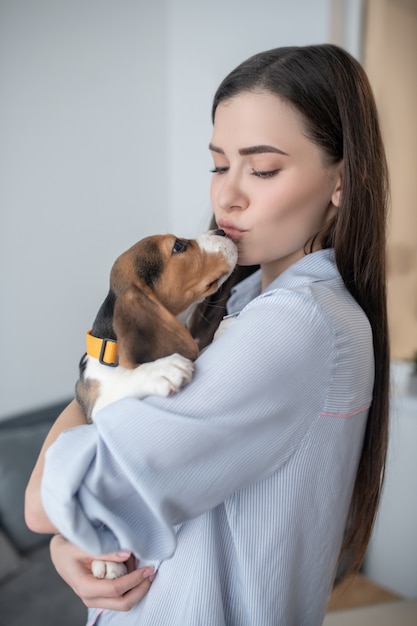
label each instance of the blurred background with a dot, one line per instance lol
(104, 128)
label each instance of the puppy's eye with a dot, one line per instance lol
(179, 246)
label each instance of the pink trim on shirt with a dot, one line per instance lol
(95, 618)
(364, 408)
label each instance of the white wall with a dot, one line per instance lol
(391, 559)
(104, 127)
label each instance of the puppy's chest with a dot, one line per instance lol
(103, 374)
(162, 377)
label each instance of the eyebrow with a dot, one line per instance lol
(251, 150)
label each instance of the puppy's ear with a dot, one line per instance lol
(146, 330)
(103, 324)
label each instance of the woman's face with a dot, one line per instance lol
(270, 192)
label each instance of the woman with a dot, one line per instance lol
(242, 486)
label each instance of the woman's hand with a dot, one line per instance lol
(120, 594)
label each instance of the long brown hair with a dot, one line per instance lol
(331, 92)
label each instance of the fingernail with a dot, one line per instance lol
(124, 554)
(149, 573)
(151, 578)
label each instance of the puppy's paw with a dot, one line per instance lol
(108, 569)
(166, 376)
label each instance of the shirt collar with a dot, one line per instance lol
(314, 267)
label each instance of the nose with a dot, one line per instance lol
(220, 232)
(228, 194)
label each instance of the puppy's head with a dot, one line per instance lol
(178, 272)
(155, 280)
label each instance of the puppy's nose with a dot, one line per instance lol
(220, 232)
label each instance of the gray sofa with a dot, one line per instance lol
(31, 592)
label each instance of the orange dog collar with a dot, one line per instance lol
(105, 350)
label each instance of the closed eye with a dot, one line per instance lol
(179, 246)
(267, 174)
(219, 170)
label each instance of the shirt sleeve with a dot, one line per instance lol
(146, 466)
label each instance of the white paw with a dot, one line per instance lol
(108, 569)
(166, 376)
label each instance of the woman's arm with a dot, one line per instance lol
(146, 466)
(35, 516)
(73, 565)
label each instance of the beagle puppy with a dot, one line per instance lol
(137, 346)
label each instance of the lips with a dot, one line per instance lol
(230, 229)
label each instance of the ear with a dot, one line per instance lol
(103, 324)
(146, 331)
(337, 191)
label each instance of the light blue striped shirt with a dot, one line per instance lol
(240, 484)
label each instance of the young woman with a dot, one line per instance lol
(245, 485)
